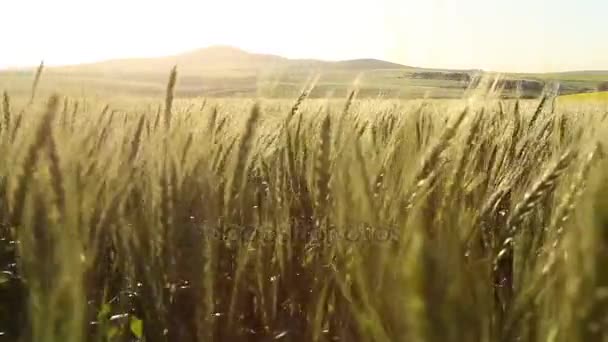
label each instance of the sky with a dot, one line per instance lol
(514, 35)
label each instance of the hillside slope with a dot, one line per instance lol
(229, 71)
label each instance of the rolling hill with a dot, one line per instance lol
(229, 71)
(211, 71)
(224, 59)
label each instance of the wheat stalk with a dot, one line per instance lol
(169, 97)
(6, 110)
(56, 174)
(538, 191)
(322, 164)
(432, 157)
(136, 141)
(41, 136)
(36, 81)
(243, 153)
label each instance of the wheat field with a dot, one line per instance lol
(302, 220)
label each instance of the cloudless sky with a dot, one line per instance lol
(514, 35)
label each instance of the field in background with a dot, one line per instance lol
(132, 218)
(601, 97)
(229, 72)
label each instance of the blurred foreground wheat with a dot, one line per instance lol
(303, 221)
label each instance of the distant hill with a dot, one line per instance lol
(222, 59)
(367, 64)
(229, 71)
(214, 71)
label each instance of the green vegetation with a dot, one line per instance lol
(301, 220)
(601, 96)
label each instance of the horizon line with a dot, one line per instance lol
(227, 46)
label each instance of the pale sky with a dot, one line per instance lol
(505, 35)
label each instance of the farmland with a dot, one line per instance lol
(588, 97)
(152, 212)
(221, 71)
